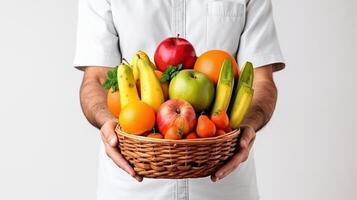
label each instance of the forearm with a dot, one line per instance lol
(93, 99)
(263, 104)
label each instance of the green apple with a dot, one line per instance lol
(194, 87)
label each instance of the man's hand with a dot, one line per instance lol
(245, 144)
(93, 102)
(110, 141)
(260, 112)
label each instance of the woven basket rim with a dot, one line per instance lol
(207, 140)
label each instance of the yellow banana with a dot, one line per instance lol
(224, 87)
(127, 87)
(134, 64)
(241, 105)
(150, 87)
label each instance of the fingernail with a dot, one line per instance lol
(138, 178)
(213, 178)
(112, 141)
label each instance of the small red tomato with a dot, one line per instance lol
(191, 135)
(205, 127)
(155, 135)
(173, 133)
(220, 132)
(220, 119)
(228, 129)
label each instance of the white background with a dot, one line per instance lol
(49, 151)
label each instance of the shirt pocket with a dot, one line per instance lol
(225, 23)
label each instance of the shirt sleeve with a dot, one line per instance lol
(97, 39)
(259, 42)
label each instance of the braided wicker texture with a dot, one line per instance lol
(176, 159)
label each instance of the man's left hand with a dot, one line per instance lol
(245, 144)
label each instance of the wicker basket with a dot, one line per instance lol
(176, 159)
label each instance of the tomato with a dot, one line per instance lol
(137, 118)
(211, 62)
(113, 102)
(155, 135)
(220, 132)
(228, 129)
(220, 119)
(205, 127)
(191, 135)
(173, 133)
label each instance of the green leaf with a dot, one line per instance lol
(171, 72)
(112, 80)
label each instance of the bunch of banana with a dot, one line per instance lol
(134, 64)
(127, 86)
(242, 97)
(150, 86)
(224, 87)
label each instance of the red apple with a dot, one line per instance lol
(174, 51)
(176, 112)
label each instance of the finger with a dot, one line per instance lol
(230, 165)
(246, 142)
(119, 160)
(138, 178)
(111, 140)
(247, 136)
(251, 143)
(108, 134)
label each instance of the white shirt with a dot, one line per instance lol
(111, 29)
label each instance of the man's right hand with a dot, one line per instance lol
(110, 141)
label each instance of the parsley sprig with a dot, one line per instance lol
(171, 72)
(112, 80)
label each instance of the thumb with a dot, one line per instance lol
(109, 135)
(113, 141)
(247, 136)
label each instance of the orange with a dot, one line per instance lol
(137, 118)
(164, 86)
(113, 102)
(211, 62)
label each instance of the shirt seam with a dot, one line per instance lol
(176, 191)
(206, 27)
(174, 17)
(184, 20)
(187, 190)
